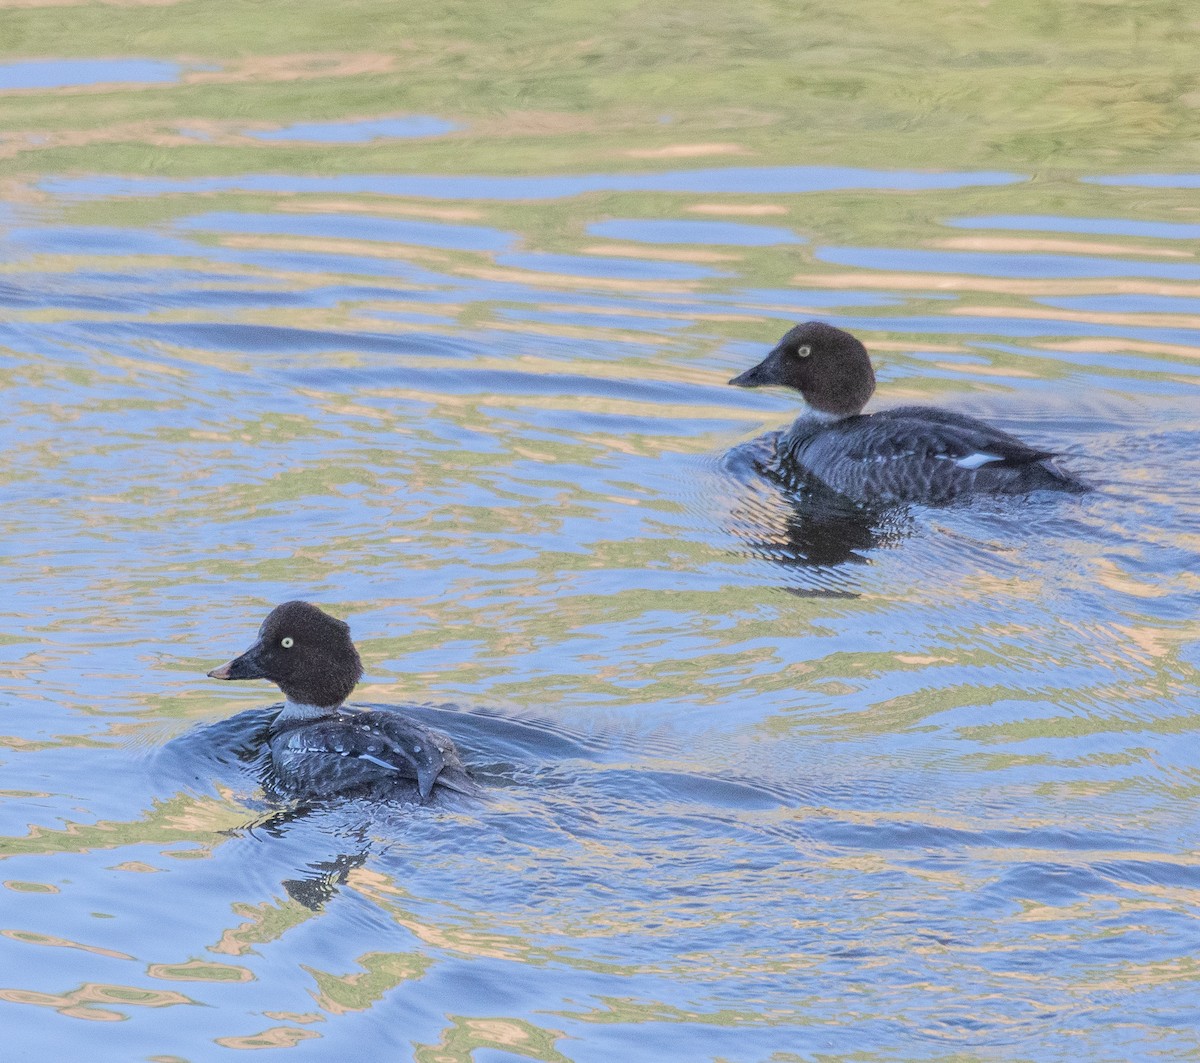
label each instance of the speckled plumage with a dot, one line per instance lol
(906, 454)
(913, 454)
(320, 749)
(360, 750)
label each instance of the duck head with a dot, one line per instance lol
(829, 367)
(305, 652)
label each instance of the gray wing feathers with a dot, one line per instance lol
(917, 454)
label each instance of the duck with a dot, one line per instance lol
(320, 748)
(906, 454)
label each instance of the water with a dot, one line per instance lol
(757, 787)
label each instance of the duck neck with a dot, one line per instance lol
(811, 413)
(298, 711)
(811, 419)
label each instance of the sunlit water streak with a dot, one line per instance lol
(753, 786)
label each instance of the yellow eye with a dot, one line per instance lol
(804, 351)
(287, 643)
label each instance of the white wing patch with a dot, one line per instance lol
(973, 461)
(376, 760)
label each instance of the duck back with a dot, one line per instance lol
(373, 752)
(917, 454)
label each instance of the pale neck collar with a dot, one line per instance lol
(810, 414)
(297, 710)
(808, 425)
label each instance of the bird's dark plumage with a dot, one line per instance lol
(907, 454)
(320, 749)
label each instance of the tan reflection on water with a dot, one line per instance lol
(180, 818)
(1042, 286)
(304, 1018)
(200, 971)
(378, 205)
(1117, 346)
(149, 132)
(1041, 244)
(274, 1037)
(561, 280)
(96, 1000)
(341, 994)
(262, 923)
(1091, 317)
(467, 1035)
(1156, 643)
(658, 254)
(1006, 371)
(613, 1010)
(295, 67)
(29, 937)
(332, 246)
(737, 210)
(686, 151)
(382, 890)
(575, 332)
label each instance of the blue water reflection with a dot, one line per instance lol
(628, 322)
(606, 266)
(64, 73)
(772, 180)
(355, 227)
(672, 231)
(1158, 230)
(998, 264)
(1014, 325)
(1125, 303)
(357, 132)
(92, 240)
(804, 299)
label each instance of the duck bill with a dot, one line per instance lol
(247, 666)
(762, 375)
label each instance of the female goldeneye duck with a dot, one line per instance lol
(906, 454)
(318, 747)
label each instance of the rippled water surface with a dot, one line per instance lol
(433, 327)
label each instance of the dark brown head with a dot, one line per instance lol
(829, 367)
(307, 653)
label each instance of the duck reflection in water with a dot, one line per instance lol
(785, 516)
